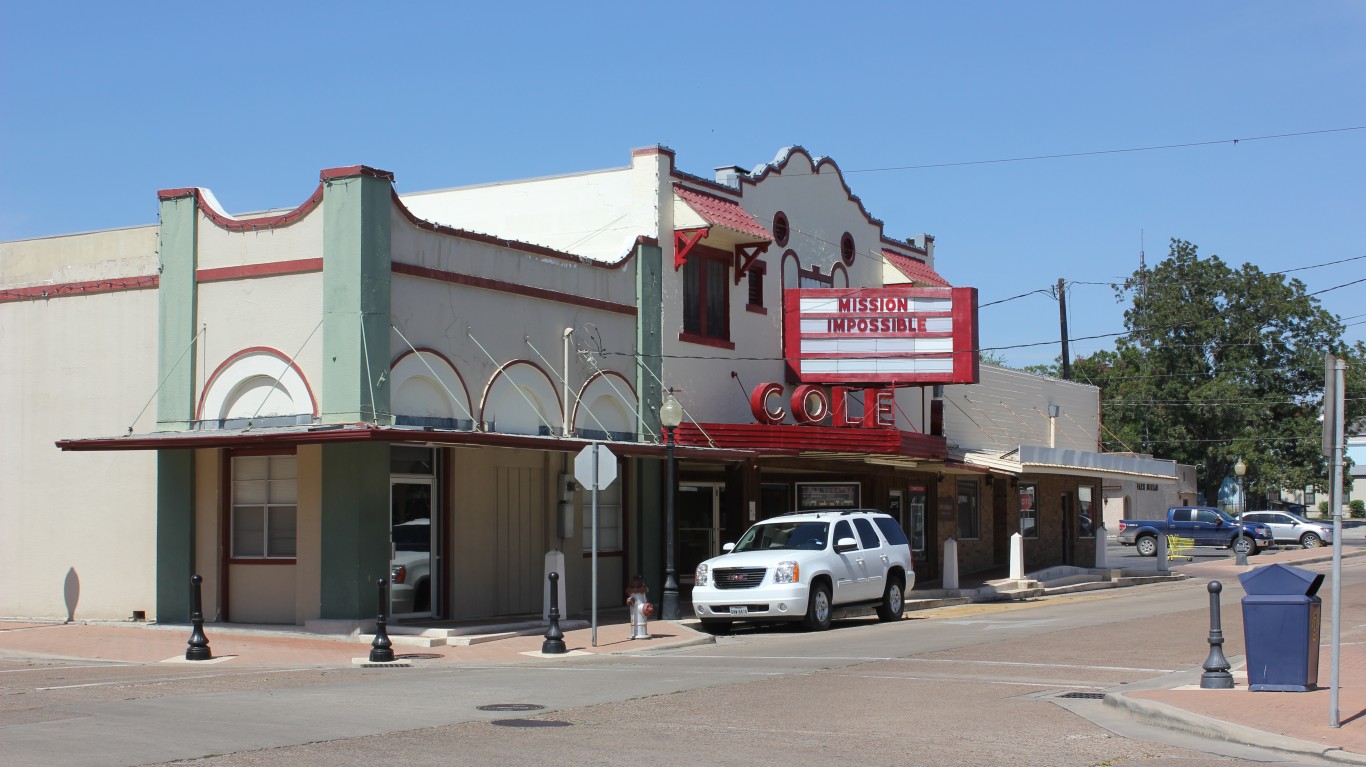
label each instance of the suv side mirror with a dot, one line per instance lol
(845, 544)
(727, 547)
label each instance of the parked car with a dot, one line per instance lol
(803, 566)
(1292, 529)
(1203, 525)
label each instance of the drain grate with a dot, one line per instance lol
(1084, 695)
(511, 707)
(529, 723)
(419, 656)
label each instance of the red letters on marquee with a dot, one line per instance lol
(811, 405)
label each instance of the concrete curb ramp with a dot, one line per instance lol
(1172, 718)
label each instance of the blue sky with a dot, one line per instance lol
(106, 103)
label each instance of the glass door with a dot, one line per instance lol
(699, 523)
(413, 525)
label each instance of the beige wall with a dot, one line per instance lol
(76, 529)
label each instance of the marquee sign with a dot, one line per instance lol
(897, 335)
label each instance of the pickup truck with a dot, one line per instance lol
(1202, 525)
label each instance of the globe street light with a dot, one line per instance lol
(1240, 553)
(670, 416)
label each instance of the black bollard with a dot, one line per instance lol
(554, 638)
(199, 644)
(382, 650)
(1216, 676)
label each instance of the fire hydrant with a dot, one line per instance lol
(641, 610)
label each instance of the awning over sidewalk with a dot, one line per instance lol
(1027, 459)
(283, 436)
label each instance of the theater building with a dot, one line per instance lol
(296, 403)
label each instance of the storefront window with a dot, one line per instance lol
(264, 517)
(1029, 511)
(969, 518)
(915, 511)
(1086, 523)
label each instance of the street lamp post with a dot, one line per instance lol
(1240, 553)
(670, 416)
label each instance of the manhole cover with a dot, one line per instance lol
(529, 723)
(1084, 695)
(511, 707)
(419, 656)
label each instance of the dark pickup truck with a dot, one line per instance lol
(1202, 525)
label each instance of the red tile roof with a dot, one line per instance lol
(721, 212)
(916, 270)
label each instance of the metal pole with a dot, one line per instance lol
(1240, 554)
(382, 648)
(595, 544)
(199, 644)
(670, 604)
(554, 637)
(1216, 676)
(1335, 502)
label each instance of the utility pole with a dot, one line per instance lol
(1062, 316)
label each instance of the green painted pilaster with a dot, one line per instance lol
(356, 296)
(355, 528)
(175, 534)
(176, 309)
(649, 372)
(649, 329)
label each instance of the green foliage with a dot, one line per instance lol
(1323, 508)
(1358, 508)
(1220, 363)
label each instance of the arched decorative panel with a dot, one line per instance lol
(257, 384)
(605, 409)
(521, 399)
(426, 390)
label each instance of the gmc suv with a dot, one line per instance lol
(803, 565)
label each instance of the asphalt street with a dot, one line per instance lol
(973, 684)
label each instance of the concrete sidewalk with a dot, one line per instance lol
(1294, 722)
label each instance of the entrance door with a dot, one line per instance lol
(699, 523)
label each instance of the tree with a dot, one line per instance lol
(1218, 364)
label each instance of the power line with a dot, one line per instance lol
(1062, 155)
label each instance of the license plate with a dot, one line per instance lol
(739, 610)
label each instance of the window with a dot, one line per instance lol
(1029, 511)
(968, 516)
(264, 517)
(866, 535)
(847, 249)
(843, 530)
(756, 288)
(706, 296)
(892, 531)
(609, 518)
(1086, 522)
(780, 229)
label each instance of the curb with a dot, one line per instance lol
(1170, 717)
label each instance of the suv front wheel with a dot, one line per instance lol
(818, 608)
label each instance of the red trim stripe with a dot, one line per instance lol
(221, 274)
(440, 275)
(68, 289)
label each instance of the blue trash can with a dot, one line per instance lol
(1281, 618)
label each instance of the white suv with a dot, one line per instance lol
(803, 565)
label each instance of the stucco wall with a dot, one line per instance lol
(1009, 408)
(77, 366)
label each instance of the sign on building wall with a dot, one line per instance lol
(881, 335)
